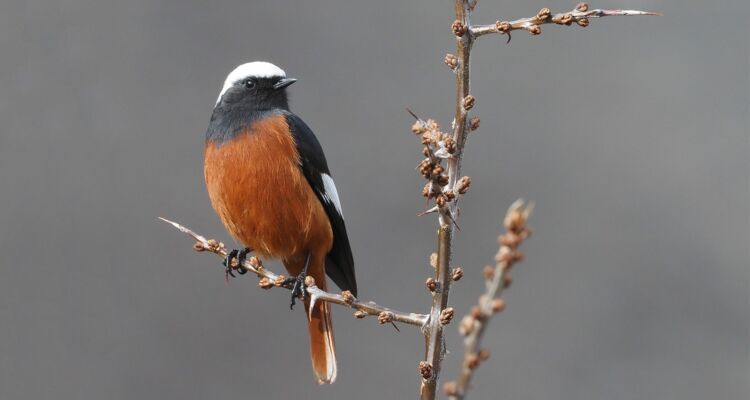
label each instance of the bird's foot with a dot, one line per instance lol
(298, 287)
(230, 264)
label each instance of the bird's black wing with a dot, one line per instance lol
(339, 261)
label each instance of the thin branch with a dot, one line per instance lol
(475, 323)
(580, 15)
(269, 279)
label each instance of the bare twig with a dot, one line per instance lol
(580, 16)
(269, 279)
(475, 323)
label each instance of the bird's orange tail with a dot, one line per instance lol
(322, 347)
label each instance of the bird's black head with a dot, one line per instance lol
(256, 86)
(250, 92)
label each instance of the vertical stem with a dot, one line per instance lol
(434, 342)
(435, 347)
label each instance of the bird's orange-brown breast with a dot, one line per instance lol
(258, 189)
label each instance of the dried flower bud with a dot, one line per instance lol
(450, 388)
(425, 369)
(418, 127)
(503, 26)
(582, 7)
(359, 314)
(469, 102)
(484, 355)
(198, 246)
(457, 273)
(477, 313)
(348, 297)
(458, 28)
(488, 272)
(474, 123)
(471, 361)
(213, 245)
(466, 326)
(446, 316)
(441, 200)
(437, 170)
(450, 145)
(385, 317)
(584, 22)
(534, 30)
(543, 14)
(463, 184)
(498, 305)
(431, 284)
(426, 138)
(507, 281)
(265, 283)
(451, 61)
(443, 180)
(450, 195)
(433, 260)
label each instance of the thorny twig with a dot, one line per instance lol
(269, 279)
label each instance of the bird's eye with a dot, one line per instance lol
(250, 83)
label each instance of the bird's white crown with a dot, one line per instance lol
(255, 69)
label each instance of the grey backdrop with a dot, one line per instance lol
(630, 135)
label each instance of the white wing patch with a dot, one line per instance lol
(330, 193)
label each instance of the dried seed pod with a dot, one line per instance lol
(265, 283)
(534, 30)
(503, 26)
(498, 305)
(468, 102)
(451, 61)
(385, 317)
(458, 28)
(431, 284)
(474, 123)
(348, 297)
(446, 316)
(543, 14)
(425, 369)
(457, 273)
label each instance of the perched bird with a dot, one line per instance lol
(269, 182)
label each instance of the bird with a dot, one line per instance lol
(268, 180)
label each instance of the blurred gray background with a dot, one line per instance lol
(631, 135)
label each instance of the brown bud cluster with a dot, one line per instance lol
(446, 316)
(582, 7)
(348, 297)
(543, 14)
(450, 145)
(431, 284)
(214, 245)
(467, 325)
(477, 314)
(359, 314)
(198, 246)
(425, 369)
(503, 26)
(309, 281)
(584, 22)
(265, 283)
(419, 128)
(564, 19)
(463, 184)
(385, 317)
(458, 28)
(484, 355)
(279, 280)
(433, 260)
(468, 102)
(488, 272)
(451, 61)
(457, 273)
(450, 388)
(498, 305)
(534, 29)
(471, 361)
(474, 123)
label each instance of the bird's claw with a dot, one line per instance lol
(240, 256)
(298, 288)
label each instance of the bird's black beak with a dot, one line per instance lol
(284, 83)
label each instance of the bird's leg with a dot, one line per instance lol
(298, 282)
(241, 257)
(228, 263)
